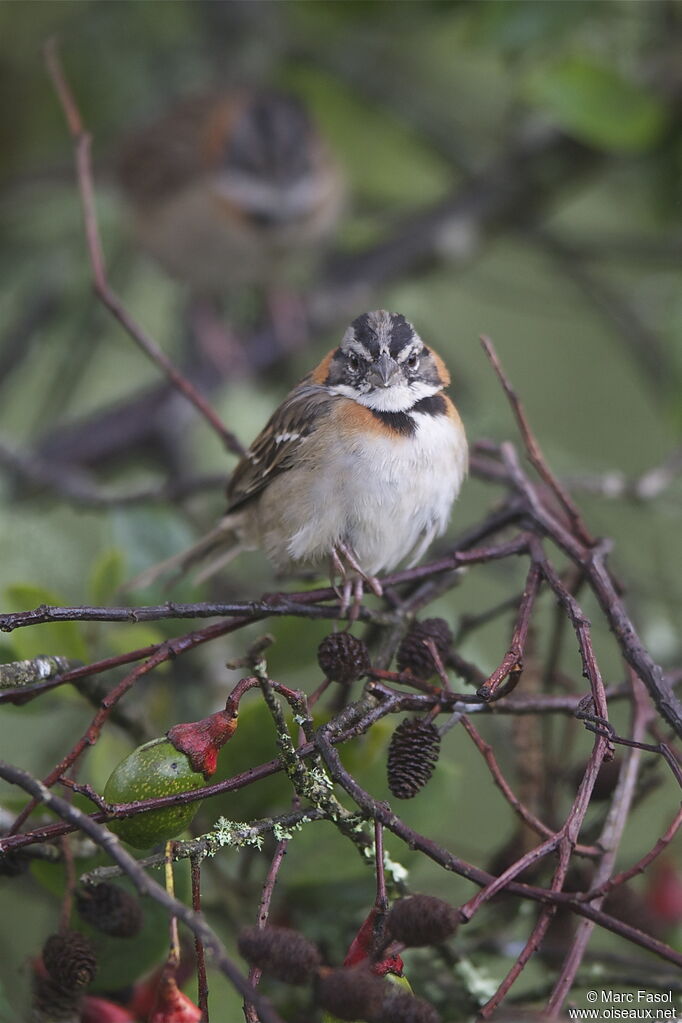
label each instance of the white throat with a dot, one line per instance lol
(399, 398)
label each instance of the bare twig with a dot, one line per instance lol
(82, 141)
(512, 663)
(609, 841)
(202, 982)
(144, 884)
(533, 448)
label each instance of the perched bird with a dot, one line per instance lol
(359, 466)
(226, 189)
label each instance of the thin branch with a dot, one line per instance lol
(82, 141)
(643, 344)
(609, 840)
(641, 865)
(523, 812)
(164, 651)
(144, 884)
(382, 812)
(202, 982)
(610, 601)
(647, 486)
(75, 485)
(533, 448)
(512, 663)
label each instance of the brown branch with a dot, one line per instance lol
(391, 702)
(199, 951)
(512, 663)
(82, 142)
(533, 448)
(640, 866)
(568, 837)
(523, 812)
(250, 1012)
(645, 346)
(414, 840)
(72, 484)
(647, 486)
(609, 840)
(303, 603)
(144, 884)
(592, 563)
(164, 651)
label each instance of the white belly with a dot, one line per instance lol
(387, 497)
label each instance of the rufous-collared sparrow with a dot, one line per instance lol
(358, 467)
(228, 190)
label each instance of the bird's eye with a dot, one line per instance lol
(354, 363)
(413, 361)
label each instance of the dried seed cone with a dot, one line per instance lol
(343, 658)
(280, 952)
(404, 1008)
(421, 920)
(52, 1004)
(352, 994)
(70, 960)
(412, 757)
(12, 864)
(110, 909)
(415, 656)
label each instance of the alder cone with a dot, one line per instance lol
(343, 658)
(70, 960)
(412, 757)
(280, 952)
(421, 920)
(404, 1008)
(110, 909)
(351, 993)
(415, 656)
(52, 1004)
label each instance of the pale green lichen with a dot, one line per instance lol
(285, 834)
(478, 982)
(232, 833)
(398, 872)
(319, 777)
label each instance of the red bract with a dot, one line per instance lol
(100, 1010)
(171, 1005)
(201, 741)
(362, 946)
(664, 894)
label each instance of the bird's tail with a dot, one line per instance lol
(222, 538)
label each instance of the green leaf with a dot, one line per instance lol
(107, 574)
(60, 638)
(123, 638)
(597, 105)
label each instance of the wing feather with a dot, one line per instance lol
(279, 445)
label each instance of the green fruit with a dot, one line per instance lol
(153, 770)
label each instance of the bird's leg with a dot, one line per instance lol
(343, 591)
(337, 568)
(358, 593)
(374, 584)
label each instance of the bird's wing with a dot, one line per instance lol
(281, 443)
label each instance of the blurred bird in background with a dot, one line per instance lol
(233, 191)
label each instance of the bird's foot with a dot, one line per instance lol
(344, 565)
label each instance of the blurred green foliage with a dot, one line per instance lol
(414, 97)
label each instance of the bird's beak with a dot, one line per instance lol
(384, 371)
